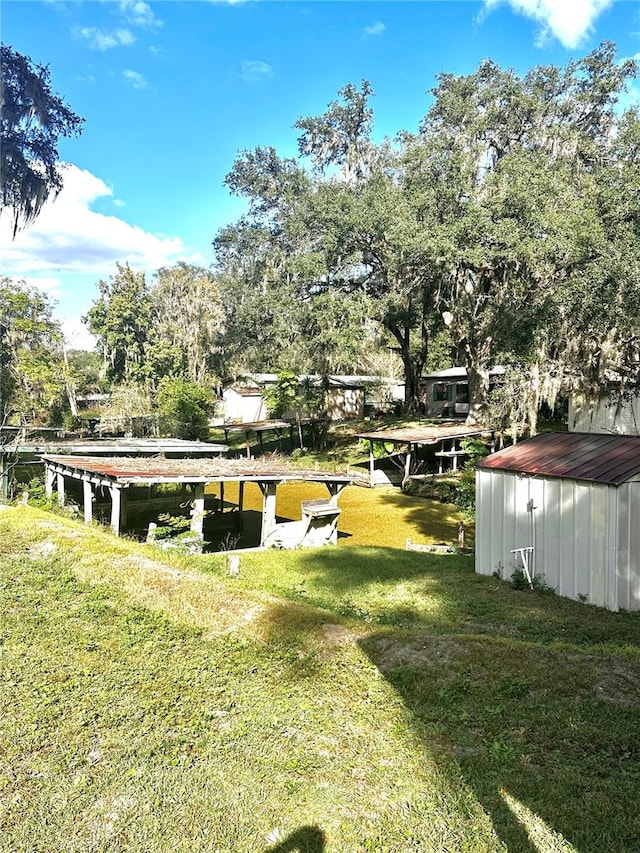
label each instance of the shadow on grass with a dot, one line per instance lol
(531, 702)
(307, 839)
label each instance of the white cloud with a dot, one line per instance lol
(103, 40)
(70, 247)
(139, 14)
(570, 21)
(256, 70)
(136, 79)
(375, 29)
(69, 236)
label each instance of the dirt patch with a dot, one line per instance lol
(618, 682)
(389, 654)
(41, 549)
(338, 635)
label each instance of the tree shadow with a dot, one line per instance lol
(552, 761)
(307, 839)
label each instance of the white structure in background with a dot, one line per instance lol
(347, 397)
(446, 392)
(609, 413)
(573, 498)
(245, 405)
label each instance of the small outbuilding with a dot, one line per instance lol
(565, 507)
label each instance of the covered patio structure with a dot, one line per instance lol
(117, 476)
(404, 443)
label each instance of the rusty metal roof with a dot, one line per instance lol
(145, 470)
(594, 457)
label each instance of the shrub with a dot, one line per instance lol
(182, 407)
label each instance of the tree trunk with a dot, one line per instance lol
(413, 365)
(478, 378)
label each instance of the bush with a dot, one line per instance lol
(183, 409)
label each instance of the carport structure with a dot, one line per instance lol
(117, 475)
(406, 442)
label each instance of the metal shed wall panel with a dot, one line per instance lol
(585, 535)
(628, 547)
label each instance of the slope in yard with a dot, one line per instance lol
(327, 701)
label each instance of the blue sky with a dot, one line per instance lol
(171, 91)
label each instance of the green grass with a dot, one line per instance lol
(359, 699)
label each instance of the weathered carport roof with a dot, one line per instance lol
(594, 457)
(125, 470)
(420, 435)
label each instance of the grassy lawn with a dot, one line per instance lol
(330, 701)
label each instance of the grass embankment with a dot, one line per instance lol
(329, 701)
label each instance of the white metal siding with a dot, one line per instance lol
(628, 547)
(586, 536)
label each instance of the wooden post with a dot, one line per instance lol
(335, 489)
(49, 477)
(407, 466)
(372, 464)
(4, 473)
(124, 506)
(60, 488)
(268, 510)
(115, 493)
(87, 495)
(197, 513)
(240, 524)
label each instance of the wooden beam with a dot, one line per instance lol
(87, 495)
(60, 487)
(372, 465)
(197, 512)
(268, 510)
(115, 493)
(407, 465)
(49, 477)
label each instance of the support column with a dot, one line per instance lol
(49, 477)
(197, 513)
(115, 493)
(60, 488)
(240, 524)
(372, 465)
(335, 490)
(124, 505)
(268, 510)
(4, 474)
(87, 495)
(407, 466)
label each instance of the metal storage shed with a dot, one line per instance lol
(574, 498)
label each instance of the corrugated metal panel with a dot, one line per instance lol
(611, 459)
(585, 534)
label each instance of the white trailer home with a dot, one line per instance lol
(567, 507)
